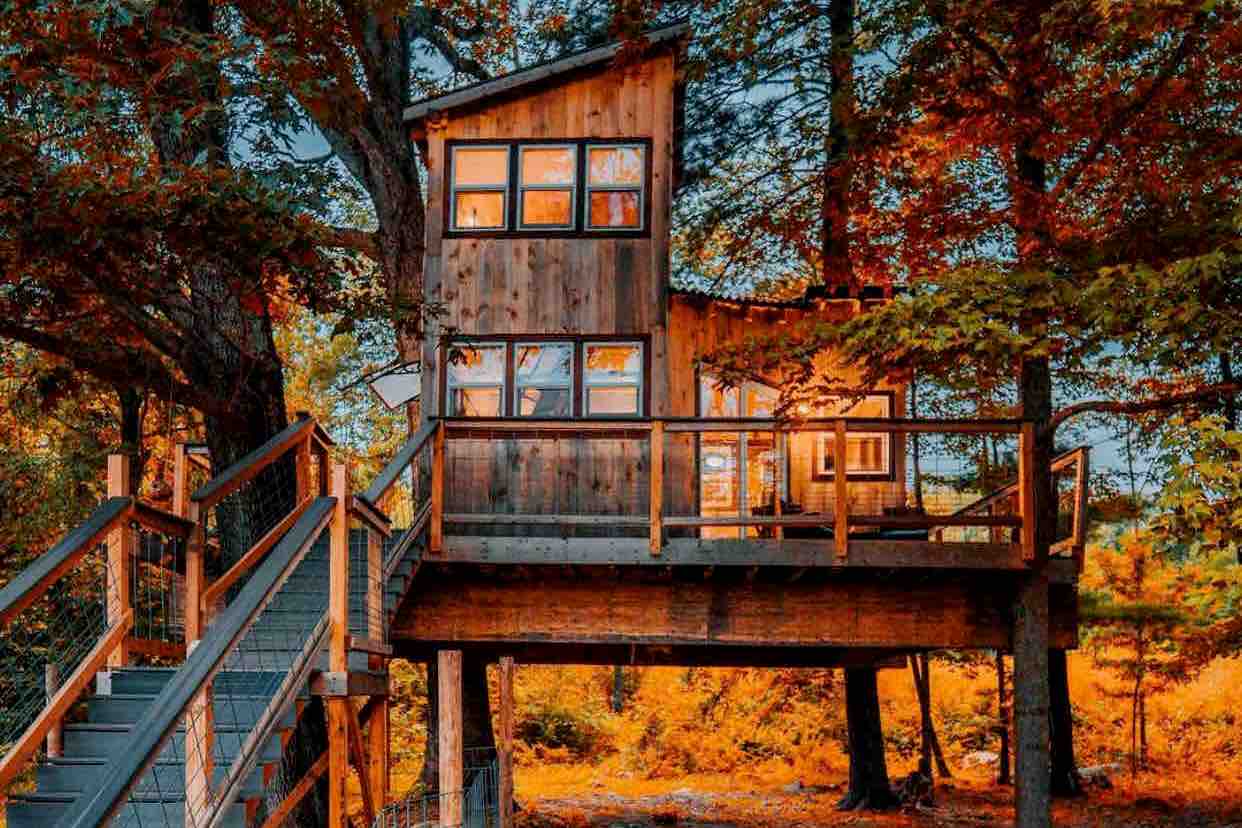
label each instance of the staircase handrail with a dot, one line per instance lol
(249, 466)
(1061, 461)
(399, 462)
(148, 736)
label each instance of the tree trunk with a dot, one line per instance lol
(476, 716)
(1065, 781)
(838, 169)
(130, 400)
(869, 788)
(929, 742)
(618, 688)
(1002, 722)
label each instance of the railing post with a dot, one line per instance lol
(302, 460)
(120, 554)
(840, 480)
(437, 491)
(505, 792)
(1080, 506)
(1026, 488)
(338, 656)
(51, 683)
(657, 486)
(377, 631)
(778, 478)
(181, 481)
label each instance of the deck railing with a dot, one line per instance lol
(668, 478)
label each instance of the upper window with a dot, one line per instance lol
(480, 187)
(527, 188)
(615, 187)
(553, 377)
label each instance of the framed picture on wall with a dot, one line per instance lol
(868, 454)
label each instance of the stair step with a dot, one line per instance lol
(92, 740)
(39, 811)
(229, 710)
(72, 776)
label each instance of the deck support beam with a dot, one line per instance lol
(506, 742)
(449, 675)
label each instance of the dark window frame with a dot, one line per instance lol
(578, 386)
(580, 228)
(863, 477)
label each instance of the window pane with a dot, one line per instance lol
(620, 401)
(616, 165)
(613, 363)
(483, 365)
(474, 402)
(547, 165)
(760, 400)
(714, 401)
(866, 453)
(544, 402)
(480, 166)
(547, 207)
(480, 210)
(545, 364)
(614, 209)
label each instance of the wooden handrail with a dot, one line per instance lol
(35, 579)
(392, 471)
(369, 514)
(252, 557)
(164, 522)
(695, 425)
(26, 745)
(1061, 461)
(248, 467)
(891, 521)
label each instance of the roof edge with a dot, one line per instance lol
(513, 81)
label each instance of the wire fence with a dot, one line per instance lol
(478, 802)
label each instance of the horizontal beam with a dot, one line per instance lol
(744, 552)
(549, 520)
(336, 684)
(902, 610)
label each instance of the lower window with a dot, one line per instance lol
(866, 453)
(557, 378)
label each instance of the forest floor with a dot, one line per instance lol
(569, 799)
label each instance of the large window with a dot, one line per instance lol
(553, 377)
(480, 187)
(525, 188)
(867, 454)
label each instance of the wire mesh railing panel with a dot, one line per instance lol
(558, 484)
(366, 585)
(157, 588)
(48, 641)
(478, 802)
(245, 516)
(230, 731)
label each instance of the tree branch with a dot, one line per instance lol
(1163, 403)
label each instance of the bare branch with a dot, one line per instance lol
(1220, 391)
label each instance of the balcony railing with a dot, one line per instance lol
(966, 484)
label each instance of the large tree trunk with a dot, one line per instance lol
(929, 743)
(1065, 781)
(1002, 722)
(476, 716)
(869, 788)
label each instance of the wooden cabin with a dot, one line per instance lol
(577, 445)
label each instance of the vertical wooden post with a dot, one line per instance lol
(1080, 506)
(778, 478)
(51, 683)
(302, 461)
(338, 656)
(437, 491)
(450, 735)
(377, 732)
(656, 486)
(1026, 489)
(181, 481)
(195, 575)
(121, 543)
(841, 485)
(506, 742)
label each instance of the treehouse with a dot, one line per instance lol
(577, 491)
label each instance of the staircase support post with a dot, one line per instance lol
(452, 778)
(121, 547)
(338, 656)
(506, 742)
(377, 630)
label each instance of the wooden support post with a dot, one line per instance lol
(195, 576)
(362, 765)
(181, 481)
(51, 683)
(302, 460)
(450, 733)
(778, 479)
(121, 549)
(338, 656)
(377, 631)
(200, 760)
(841, 484)
(1026, 489)
(657, 486)
(506, 742)
(437, 492)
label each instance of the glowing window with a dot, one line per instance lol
(480, 192)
